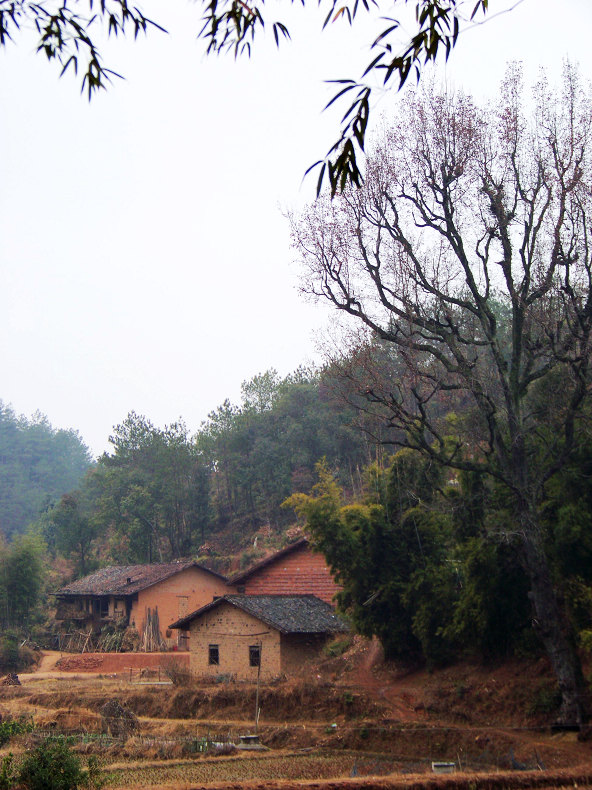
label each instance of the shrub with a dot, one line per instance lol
(176, 671)
(546, 700)
(118, 721)
(93, 777)
(249, 556)
(51, 766)
(13, 727)
(338, 647)
(586, 640)
(222, 750)
(28, 657)
(7, 773)
(14, 658)
(9, 653)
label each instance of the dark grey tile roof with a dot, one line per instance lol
(239, 578)
(128, 579)
(289, 614)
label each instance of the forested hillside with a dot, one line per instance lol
(37, 465)
(162, 493)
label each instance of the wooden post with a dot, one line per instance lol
(257, 692)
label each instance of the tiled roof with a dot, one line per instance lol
(289, 614)
(128, 579)
(239, 578)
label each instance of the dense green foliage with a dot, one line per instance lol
(22, 574)
(7, 772)
(70, 528)
(152, 490)
(11, 727)
(37, 465)
(162, 494)
(423, 570)
(51, 766)
(267, 448)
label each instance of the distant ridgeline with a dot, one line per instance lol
(37, 465)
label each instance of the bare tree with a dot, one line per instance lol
(468, 250)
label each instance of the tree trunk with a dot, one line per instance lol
(553, 627)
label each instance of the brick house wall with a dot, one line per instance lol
(299, 572)
(175, 597)
(233, 632)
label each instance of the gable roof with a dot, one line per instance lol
(289, 614)
(241, 577)
(129, 579)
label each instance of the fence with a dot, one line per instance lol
(149, 676)
(191, 744)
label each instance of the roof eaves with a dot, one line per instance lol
(116, 588)
(242, 602)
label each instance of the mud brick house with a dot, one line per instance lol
(296, 569)
(144, 596)
(242, 635)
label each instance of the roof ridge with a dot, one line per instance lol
(317, 616)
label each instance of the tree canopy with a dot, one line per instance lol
(417, 565)
(161, 493)
(467, 251)
(38, 464)
(66, 34)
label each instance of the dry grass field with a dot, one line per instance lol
(349, 722)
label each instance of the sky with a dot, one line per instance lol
(145, 259)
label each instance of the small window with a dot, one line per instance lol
(254, 655)
(241, 589)
(213, 655)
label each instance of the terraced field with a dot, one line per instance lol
(327, 730)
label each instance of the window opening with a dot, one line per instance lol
(254, 655)
(213, 654)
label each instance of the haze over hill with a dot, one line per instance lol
(38, 464)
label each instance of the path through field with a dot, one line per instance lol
(399, 693)
(48, 660)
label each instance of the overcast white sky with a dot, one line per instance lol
(144, 259)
